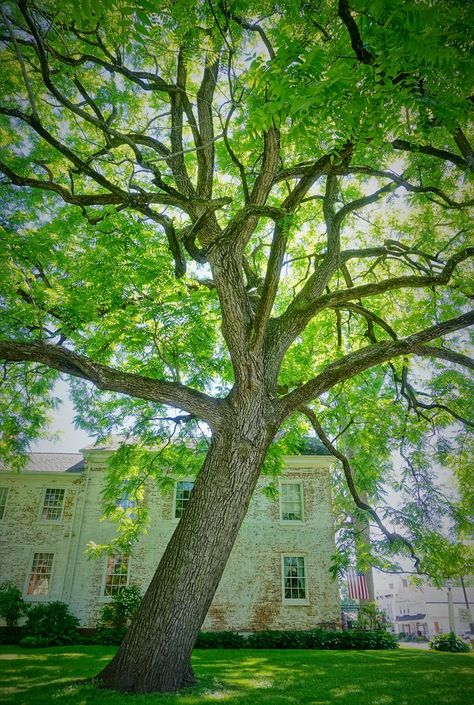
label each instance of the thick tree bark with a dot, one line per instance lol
(156, 652)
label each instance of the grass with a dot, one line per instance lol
(55, 676)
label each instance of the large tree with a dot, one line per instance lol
(246, 213)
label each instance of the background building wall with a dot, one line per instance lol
(249, 596)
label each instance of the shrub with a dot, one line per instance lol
(371, 617)
(105, 636)
(116, 616)
(315, 639)
(449, 642)
(120, 611)
(12, 605)
(220, 640)
(50, 624)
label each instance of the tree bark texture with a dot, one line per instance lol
(156, 652)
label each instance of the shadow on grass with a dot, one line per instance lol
(64, 676)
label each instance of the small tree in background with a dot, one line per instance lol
(12, 605)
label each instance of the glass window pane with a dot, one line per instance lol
(294, 578)
(116, 574)
(291, 504)
(40, 576)
(183, 493)
(53, 504)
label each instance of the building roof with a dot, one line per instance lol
(54, 462)
(307, 446)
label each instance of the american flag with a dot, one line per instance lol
(357, 585)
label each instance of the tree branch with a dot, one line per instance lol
(356, 362)
(392, 536)
(109, 379)
(406, 146)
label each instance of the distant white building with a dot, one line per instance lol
(277, 576)
(423, 611)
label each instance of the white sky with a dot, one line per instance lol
(71, 439)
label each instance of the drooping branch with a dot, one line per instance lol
(408, 391)
(392, 536)
(113, 380)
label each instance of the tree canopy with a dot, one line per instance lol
(204, 200)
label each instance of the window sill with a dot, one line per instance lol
(37, 598)
(295, 603)
(292, 522)
(49, 522)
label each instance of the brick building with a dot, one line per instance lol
(277, 576)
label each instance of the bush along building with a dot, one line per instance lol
(277, 576)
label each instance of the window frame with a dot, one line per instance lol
(42, 506)
(7, 488)
(39, 598)
(289, 522)
(107, 598)
(186, 479)
(289, 601)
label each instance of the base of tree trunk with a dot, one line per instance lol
(158, 682)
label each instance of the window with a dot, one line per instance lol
(291, 501)
(125, 500)
(53, 503)
(116, 574)
(183, 493)
(294, 579)
(3, 500)
(40, 575)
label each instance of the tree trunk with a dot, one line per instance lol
(156, 652)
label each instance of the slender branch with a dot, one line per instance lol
(362, 53)
(302, 309)
(26, 80)
(392, 536)
(445, 354)
(251, 27)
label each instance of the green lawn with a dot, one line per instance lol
(245, 677)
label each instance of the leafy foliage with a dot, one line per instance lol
(120, 611)
(371, 617)
(12, 605)
(316, 639)
(49, 624)
(449, 642)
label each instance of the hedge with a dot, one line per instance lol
(315, 639)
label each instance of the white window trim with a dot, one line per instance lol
(43, 498)
(181, 479)
(5, 511)
(289, 522)
(286, 600)
(109, 598)
(39, 598)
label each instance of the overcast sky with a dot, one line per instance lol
(71, 439)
